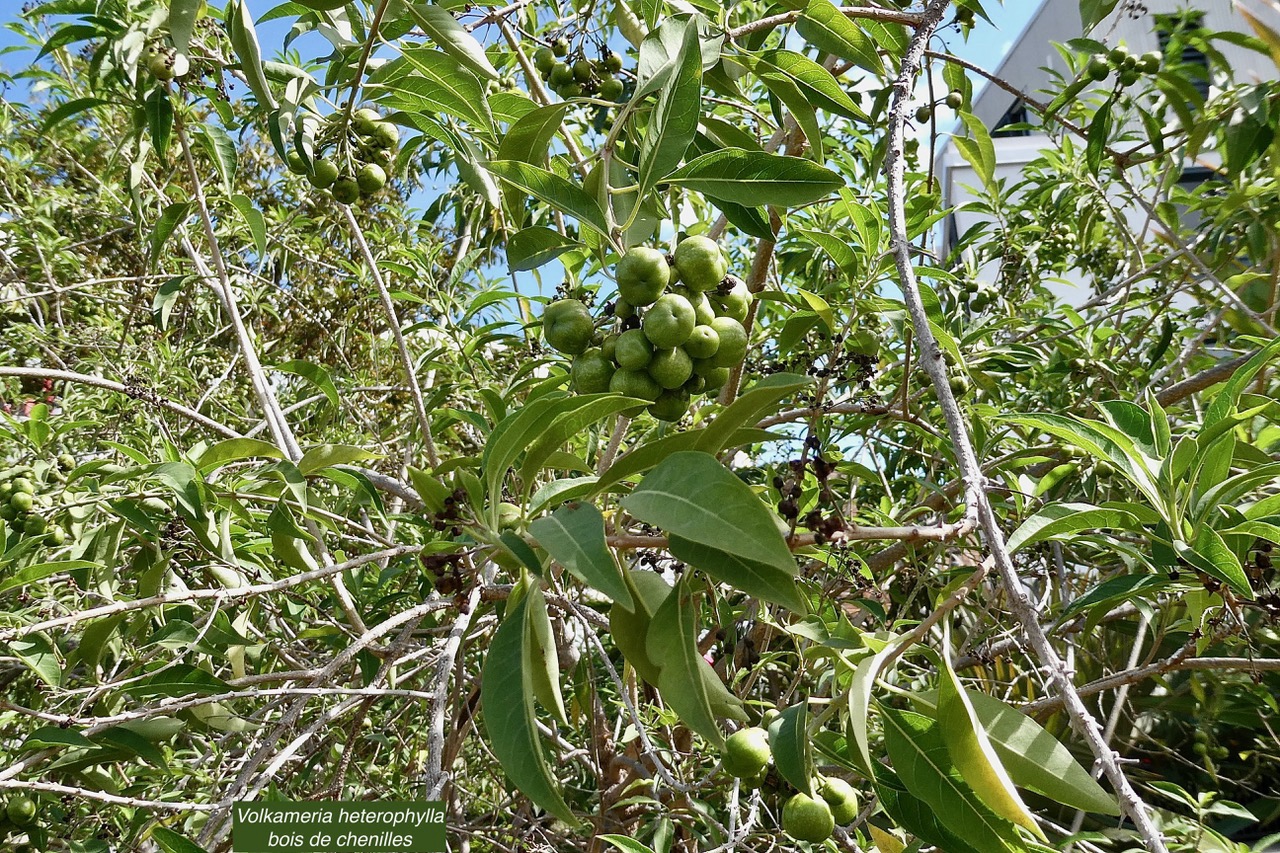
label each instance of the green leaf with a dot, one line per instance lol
(183, 15)
(1212, 556)
(532, 247)
(752, 178)
(39, 571)
(171, 842)
(54, 737)
(915, 815)
(244, 41)
(972, 753)
(860, 687)
(625, 844)
(750, 406)
(254, 220)
(132, 742)
(674, 121)
(179, 680)
(553, 190)
(978, 148)
(221, 150)
(69, 109)
(506, 697)
(1093, 11)
(750, 576)
(324, 455)
(528, 139)
(585, 411)
(672, 644)
(443, 29)
(544, 657)
(574, 537)
(288, 541)
(159, 112)
(441, 84)
(691, 495)
(38, 653)
(826, 28)
(235, 449)
(1056, 521)
(822, 89)
(1099, 133)
(793, 748)
(313, 373)
(789, 93)
(1116, 591)
(169, 219)
(629, 626)
(923, 764)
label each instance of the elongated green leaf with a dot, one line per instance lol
(169, 219)
(544, 658)
(1093, 11)
(822, 90)
(750, 406)
(532, 247)
(629, 627)
(1102, 442)
(516, 432)
(915, 815)
(923, 764)
(626, 844)
(69, 109)
(179, 680)
(324, 455)
(132, 742)
(39, 571)
(693, 496)
(551, 189)
(244, 41)
(1212, 556)
(171, 842)
(506, 697)
(1115, 591)
(235, 449)
(793, 748)
(672, 645)
(528, 139)
(442, 84)
(54, 737)
(860, 687)
(452, 38)
(221, 150)
(574, 536)
(159, 112)
(1058, 520)
(675, 117)
(752, 577)
(972, 753)
(313, 373)
(755, 177)
(40, 656)
(254, 219)
(288, 541)
(823, 26)
(785, 89)
(588, 410)
(1224, 402)
(183, 15)
(981, 152)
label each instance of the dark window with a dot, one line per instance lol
(1172, 32)
(1015, 115)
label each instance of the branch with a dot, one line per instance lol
(970, 469)
(910, 19)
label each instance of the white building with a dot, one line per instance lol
(1030, 66)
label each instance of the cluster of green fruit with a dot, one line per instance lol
(1129, 67)
(367, 148)
(679, 329)
(22, 506)
(1204, 749)
(954, 100)
(18, 815)
(747, 756)
(165, 63)
(573, 77)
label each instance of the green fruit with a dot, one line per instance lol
(671, 368)
(567, 326)
(613, 62)
(295, 163)
(955, 99)
(863, 342)
(21, 502)
(591, 372)
(703, 311)
(509, 515)
(571, 90)
(700, 264)
(365, 121)
(386, 135)
(6, 489)
(633, 350)
(544, 59)
(924, 113)
(323, 174)
(746, 752)
(807, 819)
(1200, 748)
(22, 484)
(1098, 69)
(842, 798)
(7, 512)
(635, 383)
(696, 384)
(609, 346)
(671, 406)
(1150, 62)
(642, 276)
(670, 321)
(561, 75)
(161, 66)
(21, 809)
(611, 88)
(560, 47)
(733, 341)
(582, 71)
(703, 342)
(1117, 55)
(371, 178)
(959, 384)
(58, 536)
(716, 377)
(1130, 62)
(1129, 76)
(736, 303)
(34, 525)
(622, 309)
(345, 190)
